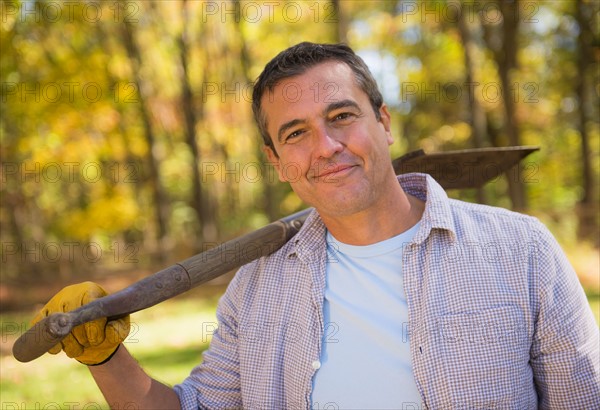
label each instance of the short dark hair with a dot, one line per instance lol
(298, 59)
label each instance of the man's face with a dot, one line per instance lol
(331, 148)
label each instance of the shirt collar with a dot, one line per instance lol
(437, 215)
(310, 239)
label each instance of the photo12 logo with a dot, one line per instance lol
(70, 11)
(82, 172)
(487, 12)
(67, 92)
(55, 252)
(269, 11)
(489, 92)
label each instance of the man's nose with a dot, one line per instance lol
(327, 143)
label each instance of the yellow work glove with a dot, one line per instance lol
(90, 343)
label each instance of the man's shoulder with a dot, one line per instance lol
(277, 278)
(456, 214)
(488, 211)
(493, 220)
(301, 246)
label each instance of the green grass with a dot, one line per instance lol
(167, 340)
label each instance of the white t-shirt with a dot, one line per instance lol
(365, 357)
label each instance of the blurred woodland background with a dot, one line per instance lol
(127, 140)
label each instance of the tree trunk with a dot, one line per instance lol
(189, 112)
(268, 202)
(160, 214)
(477, 118)
(505, 54)
(341, 20)
(588, 206)
(14, 205)
(507, 63)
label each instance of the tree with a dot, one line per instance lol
(191, 112)
(588, 204)
(158, 196)
(477, 116)
(502, 40)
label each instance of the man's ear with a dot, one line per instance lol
(274, 160)
(386, 122)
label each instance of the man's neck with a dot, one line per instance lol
(396, 214)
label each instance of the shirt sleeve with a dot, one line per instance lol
(215, 383)
(565, 355)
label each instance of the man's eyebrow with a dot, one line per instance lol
(286, 126)
(341, 104)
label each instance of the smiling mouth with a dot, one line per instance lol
(331, 173)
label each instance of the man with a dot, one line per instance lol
(391, 296)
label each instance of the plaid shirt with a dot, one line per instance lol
(498, 318)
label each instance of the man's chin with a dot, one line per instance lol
(343, 207)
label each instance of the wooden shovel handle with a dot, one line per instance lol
(160, 286)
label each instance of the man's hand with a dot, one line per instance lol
(90, 343)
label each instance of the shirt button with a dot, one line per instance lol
(316, 365)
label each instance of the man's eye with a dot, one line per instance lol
(342, 116)
(293, 135)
